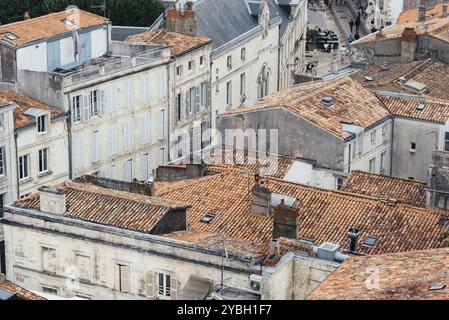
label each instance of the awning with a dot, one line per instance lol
(197, 288)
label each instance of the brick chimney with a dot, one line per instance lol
(52, 200)
(260, 199)
(408, 45)
(181, 21)
(286, 221)
(421, 12)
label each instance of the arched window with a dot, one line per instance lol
(263, 81)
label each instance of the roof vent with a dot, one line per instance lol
(402, 80)
(328, 101)
(370, 241)
(421, 106)
(437, 287)
(368, 79)
(208, 218)
(443, 220)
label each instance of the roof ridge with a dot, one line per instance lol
(388, 177)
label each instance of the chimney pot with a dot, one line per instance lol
(260, 200)
(353, 235)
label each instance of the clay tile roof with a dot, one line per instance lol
(405, 191)
(412, 15)
(438, 28)
(109, 207)
(4, 102)
(399, 276)
(325, 216)
(48, 26)
(305, 102)
(421, 109)
(179, 43)
(23, 103)
(433, 74)
(18, 291)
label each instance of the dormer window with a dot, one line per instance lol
(42, 124)
(10, 36)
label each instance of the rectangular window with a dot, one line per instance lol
(243, 54)
(179, 71)
(243, 84)
(384, 133)
(201, 60)
(2, 161)
(340, 181)
(76, 108)
(164, 285)
(128, 135)
(161, 125)
(121, 278)
(51, 291)
(353, 150)
(146, 120)
(373, 137)
(383, 161)
(446, 141)
(112, 172)
(413, 147)
(1, 120)
(203, 96)
(190, 64)
(129, 170)
(42, 124)
(95, 147)
(24, 167)
(43, 160)
(112, 140)
(229, 93)
(372, 165)
(2, 203)
(94, 103)
(84, 267)
(145, 167)
(178, 107)
(229, 62)
(145, 89)
(48, 260)
(128, 96)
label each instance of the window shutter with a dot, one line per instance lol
(116, 277)
(208, 93)
(129, 170)
(197, 98)
(101, 103)
(112, 99)
(126, 280)
(161, 125)
(145, 89)
(187, 103)
(114, 172)
(86, 107)
(173, 286)
(127, 135)
(145, 167)
(176, 113)
(130, 134)
(146, 128)
(112, 140)
(95, 147)
(150, 281)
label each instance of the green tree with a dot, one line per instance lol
(12, 11)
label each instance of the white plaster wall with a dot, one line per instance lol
(67, 51)
(33, 57)
(99, 41)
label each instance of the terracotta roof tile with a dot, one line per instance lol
(421, 109)
(326, 216)
(20, 292)
(47, 26)
(23, 104)
(412, 15)
(433, 74)
(399, 276)
(406, 191)
(109, 207)
(178, 42)
(305, 102)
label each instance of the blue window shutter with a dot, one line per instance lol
(53, 55)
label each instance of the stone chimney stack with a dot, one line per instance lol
(444, 11)
(408, 45)
(353, 235)
(260, 199)
(421, 12)
(181, 21)
(52, 200)
(26, 16)
(286, 222)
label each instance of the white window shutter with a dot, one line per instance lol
(145, 173)
(114, 172)
(129, 170)
(131, 93)
(116, 277)
(161, 125)
(102, 103)
(174, 286)
(188, 103)
(146, 128)
(130, 134)
(112, 99)
(95, 147)
(145, 89)
(86, 107)
(112, 149)
(197, 98)
(126, 279)
(150, 287)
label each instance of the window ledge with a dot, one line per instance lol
(44, 174)
(26, 180)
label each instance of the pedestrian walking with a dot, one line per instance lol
(356, 36)
(357, 24)
(343, 53)
(351, 24)
(350, 39)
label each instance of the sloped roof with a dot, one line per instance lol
(19, 292)
(373, 185)
(179, 43)
(23, 103)
(412, 15)
(399, 276)
(120, 209)
(305, 101)
(48, 26)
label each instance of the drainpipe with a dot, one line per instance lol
(392, 148)
(17, 164)
(70, 138)
(210, 99)
(172, 102)
(349, 158)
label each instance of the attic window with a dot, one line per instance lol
(421, 106)
(69, 23)
(10, 36)
(437, 287)
(443, 220)
(370, 241)
(208, 218)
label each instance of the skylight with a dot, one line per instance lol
(10, 36)
(208, 218)
(437, 287)
(69, 23)
(443, 220)
(370, 241)
(421, 106)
